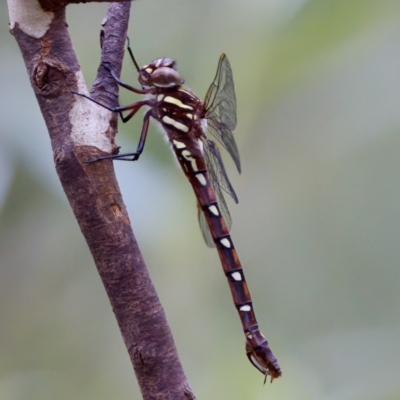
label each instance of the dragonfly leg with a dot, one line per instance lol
(134, 107)
(123, 84)
(130, 156)
(95, 101)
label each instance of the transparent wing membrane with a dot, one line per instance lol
(225, 137)
(220, 183)
(215, 166)
(220, 109)
(205, 230)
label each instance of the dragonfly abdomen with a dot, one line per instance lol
(191, 159)
(257, 348)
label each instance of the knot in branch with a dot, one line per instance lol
(49, 77)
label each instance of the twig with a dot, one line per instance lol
(53, 5)
(80, 130)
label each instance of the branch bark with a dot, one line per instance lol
(81, 130)
(53, 5)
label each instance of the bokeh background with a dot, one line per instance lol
(317, 227)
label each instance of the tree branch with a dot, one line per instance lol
(80, 130)
(53, 5)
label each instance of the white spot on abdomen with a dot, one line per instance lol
(237, 276)
(214, 210)
(245, 308)
(226, 243)
(188, 157)
(202, 179)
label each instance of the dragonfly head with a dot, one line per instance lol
(160, 73)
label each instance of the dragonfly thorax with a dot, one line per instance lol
(178, 110)
(160, 73)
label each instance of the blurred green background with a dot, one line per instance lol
(317, 227)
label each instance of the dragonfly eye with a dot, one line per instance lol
(144, 78)
(166, 77)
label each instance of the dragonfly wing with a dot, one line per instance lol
(205, 230)
(220, 108)
(220, 183)
(225, 136)
(216, 170)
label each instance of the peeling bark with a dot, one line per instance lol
(53, 5)
(80, 130)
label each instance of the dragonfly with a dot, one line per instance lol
(188, 123)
